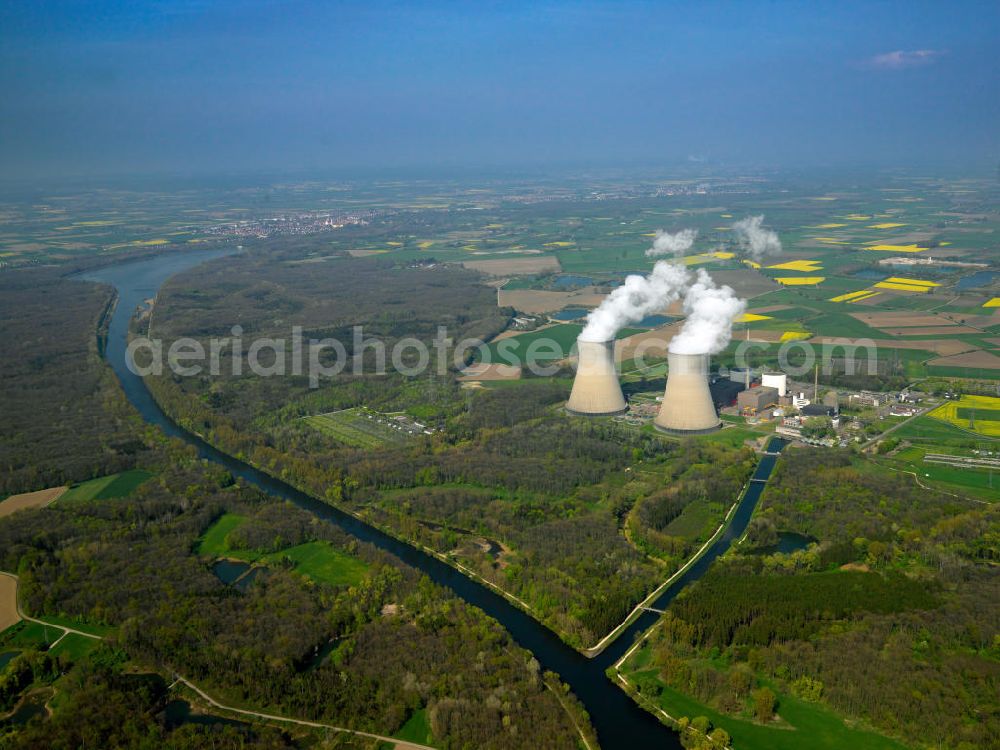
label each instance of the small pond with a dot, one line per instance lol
(228, 571)
(570, 313)
(571, 280)
(30, 707)
(244, 583)
(873, 274)
(653, 321)
(178, 712)
(6, 657)
(788, 542)
(978, 279)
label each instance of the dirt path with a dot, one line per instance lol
(9, 579)
(403, 744)
(9, 608)
(25, 500)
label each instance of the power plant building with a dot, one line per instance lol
(687, 401)
(757, 400)
(596, 391)
(777, 380)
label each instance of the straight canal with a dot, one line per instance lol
(620, 723)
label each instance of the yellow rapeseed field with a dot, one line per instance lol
(897, 248)
(795, 335)
(850, 296)
(902, 287)
(915, 282)
(800, 280)
(798, 265)
(968, 406)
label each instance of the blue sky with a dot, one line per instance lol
(200, 86)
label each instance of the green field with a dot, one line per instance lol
(74, 646)
(28, 634)
(359, 428)
(416, 729)
(928, 429)
(83, 627)
(802, 724)
(213, 542)
(975, 482)
(322, 562)
(697, 521)
(318, 560)
(110, 487)
(554, 342)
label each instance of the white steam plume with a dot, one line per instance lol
(754, 240)
(675, 244)
(710, 311)
(638, 297)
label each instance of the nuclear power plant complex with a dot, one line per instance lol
(596, 391)
(687, 402)
(687, 406)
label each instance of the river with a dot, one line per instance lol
(619, 721)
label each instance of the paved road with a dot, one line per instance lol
(895, 427)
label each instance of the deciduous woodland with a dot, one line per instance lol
(891, 618)
(371, 655)
(63, 419)
(543, 506)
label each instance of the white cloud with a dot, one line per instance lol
(900, 59)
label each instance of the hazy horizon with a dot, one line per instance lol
(202, 88)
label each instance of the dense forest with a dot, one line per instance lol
(64, 419)
(892, 617)
(369, 655)
(535, 503)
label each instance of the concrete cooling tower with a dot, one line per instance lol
(596, 391)
(687, 403)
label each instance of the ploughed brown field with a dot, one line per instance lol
(543, 301)
(929, 331)
(37, 499)
(902, 319)
(8, 602)
(514, 266)
(969, 359)
(944, 347)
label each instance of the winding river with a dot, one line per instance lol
(620, 723)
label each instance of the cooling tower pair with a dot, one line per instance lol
(687, 403)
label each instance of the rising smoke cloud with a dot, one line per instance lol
(638, 297)
(675, 244)
(710, 311)
(754, 240)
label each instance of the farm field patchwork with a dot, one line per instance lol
(110, 487)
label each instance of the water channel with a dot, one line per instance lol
(620, 722)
